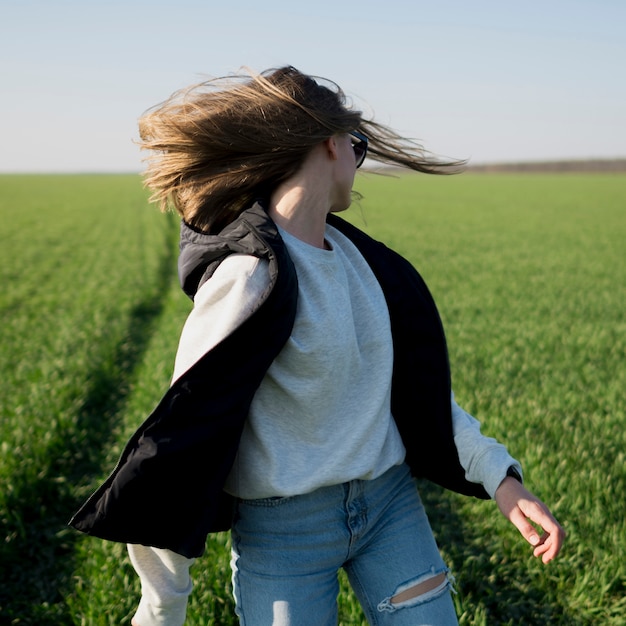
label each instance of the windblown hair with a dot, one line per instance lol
(218, 146)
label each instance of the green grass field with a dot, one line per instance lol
(529, 272)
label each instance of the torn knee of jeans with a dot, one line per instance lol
(423, 588)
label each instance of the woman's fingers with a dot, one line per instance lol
(526, 511)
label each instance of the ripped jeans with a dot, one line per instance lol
(287, 553)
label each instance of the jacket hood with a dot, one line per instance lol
(200, 253)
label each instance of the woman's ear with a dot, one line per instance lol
(331, 147)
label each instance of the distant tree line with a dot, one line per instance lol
(582, 165)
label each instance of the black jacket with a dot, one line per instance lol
(166, 490)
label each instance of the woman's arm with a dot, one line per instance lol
(485, 460)
(488, 462)
(220, 306)
(165, 586)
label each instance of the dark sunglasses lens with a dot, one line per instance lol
(359, 153)
(359, 147)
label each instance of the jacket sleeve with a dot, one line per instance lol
(222, 304)
(484, 459)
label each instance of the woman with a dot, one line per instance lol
(311, 382)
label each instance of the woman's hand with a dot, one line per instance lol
(521, 508)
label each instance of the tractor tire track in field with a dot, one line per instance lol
(37, 554)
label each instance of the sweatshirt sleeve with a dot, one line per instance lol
(165, 585)
(220, 306)
(484, 459)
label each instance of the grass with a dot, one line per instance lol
(529, 274)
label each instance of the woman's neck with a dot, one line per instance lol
(301, 211)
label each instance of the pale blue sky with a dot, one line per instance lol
(478, 79)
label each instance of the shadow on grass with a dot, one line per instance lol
(36, 558)
(501, 591)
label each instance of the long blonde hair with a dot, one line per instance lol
(218, 146)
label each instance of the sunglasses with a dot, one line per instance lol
(359, 147)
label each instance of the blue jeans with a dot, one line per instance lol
(287, 553)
